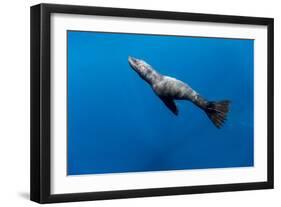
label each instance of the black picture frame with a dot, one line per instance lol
(40, 102)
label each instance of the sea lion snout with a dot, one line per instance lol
(134, 62)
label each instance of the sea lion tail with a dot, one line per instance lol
(217, 112)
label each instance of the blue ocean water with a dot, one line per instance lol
(117, 124)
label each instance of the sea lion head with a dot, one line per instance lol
(140, 66)
(144, 70)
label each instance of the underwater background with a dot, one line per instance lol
(117, 124)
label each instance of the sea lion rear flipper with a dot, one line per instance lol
(217, 112)
(170, 103)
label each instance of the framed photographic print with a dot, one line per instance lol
(133, 103)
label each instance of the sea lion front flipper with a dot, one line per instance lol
(170, 103)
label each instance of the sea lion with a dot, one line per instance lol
(169, 89)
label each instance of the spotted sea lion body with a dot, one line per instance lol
(169, 89)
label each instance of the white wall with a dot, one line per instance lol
(14, 101)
